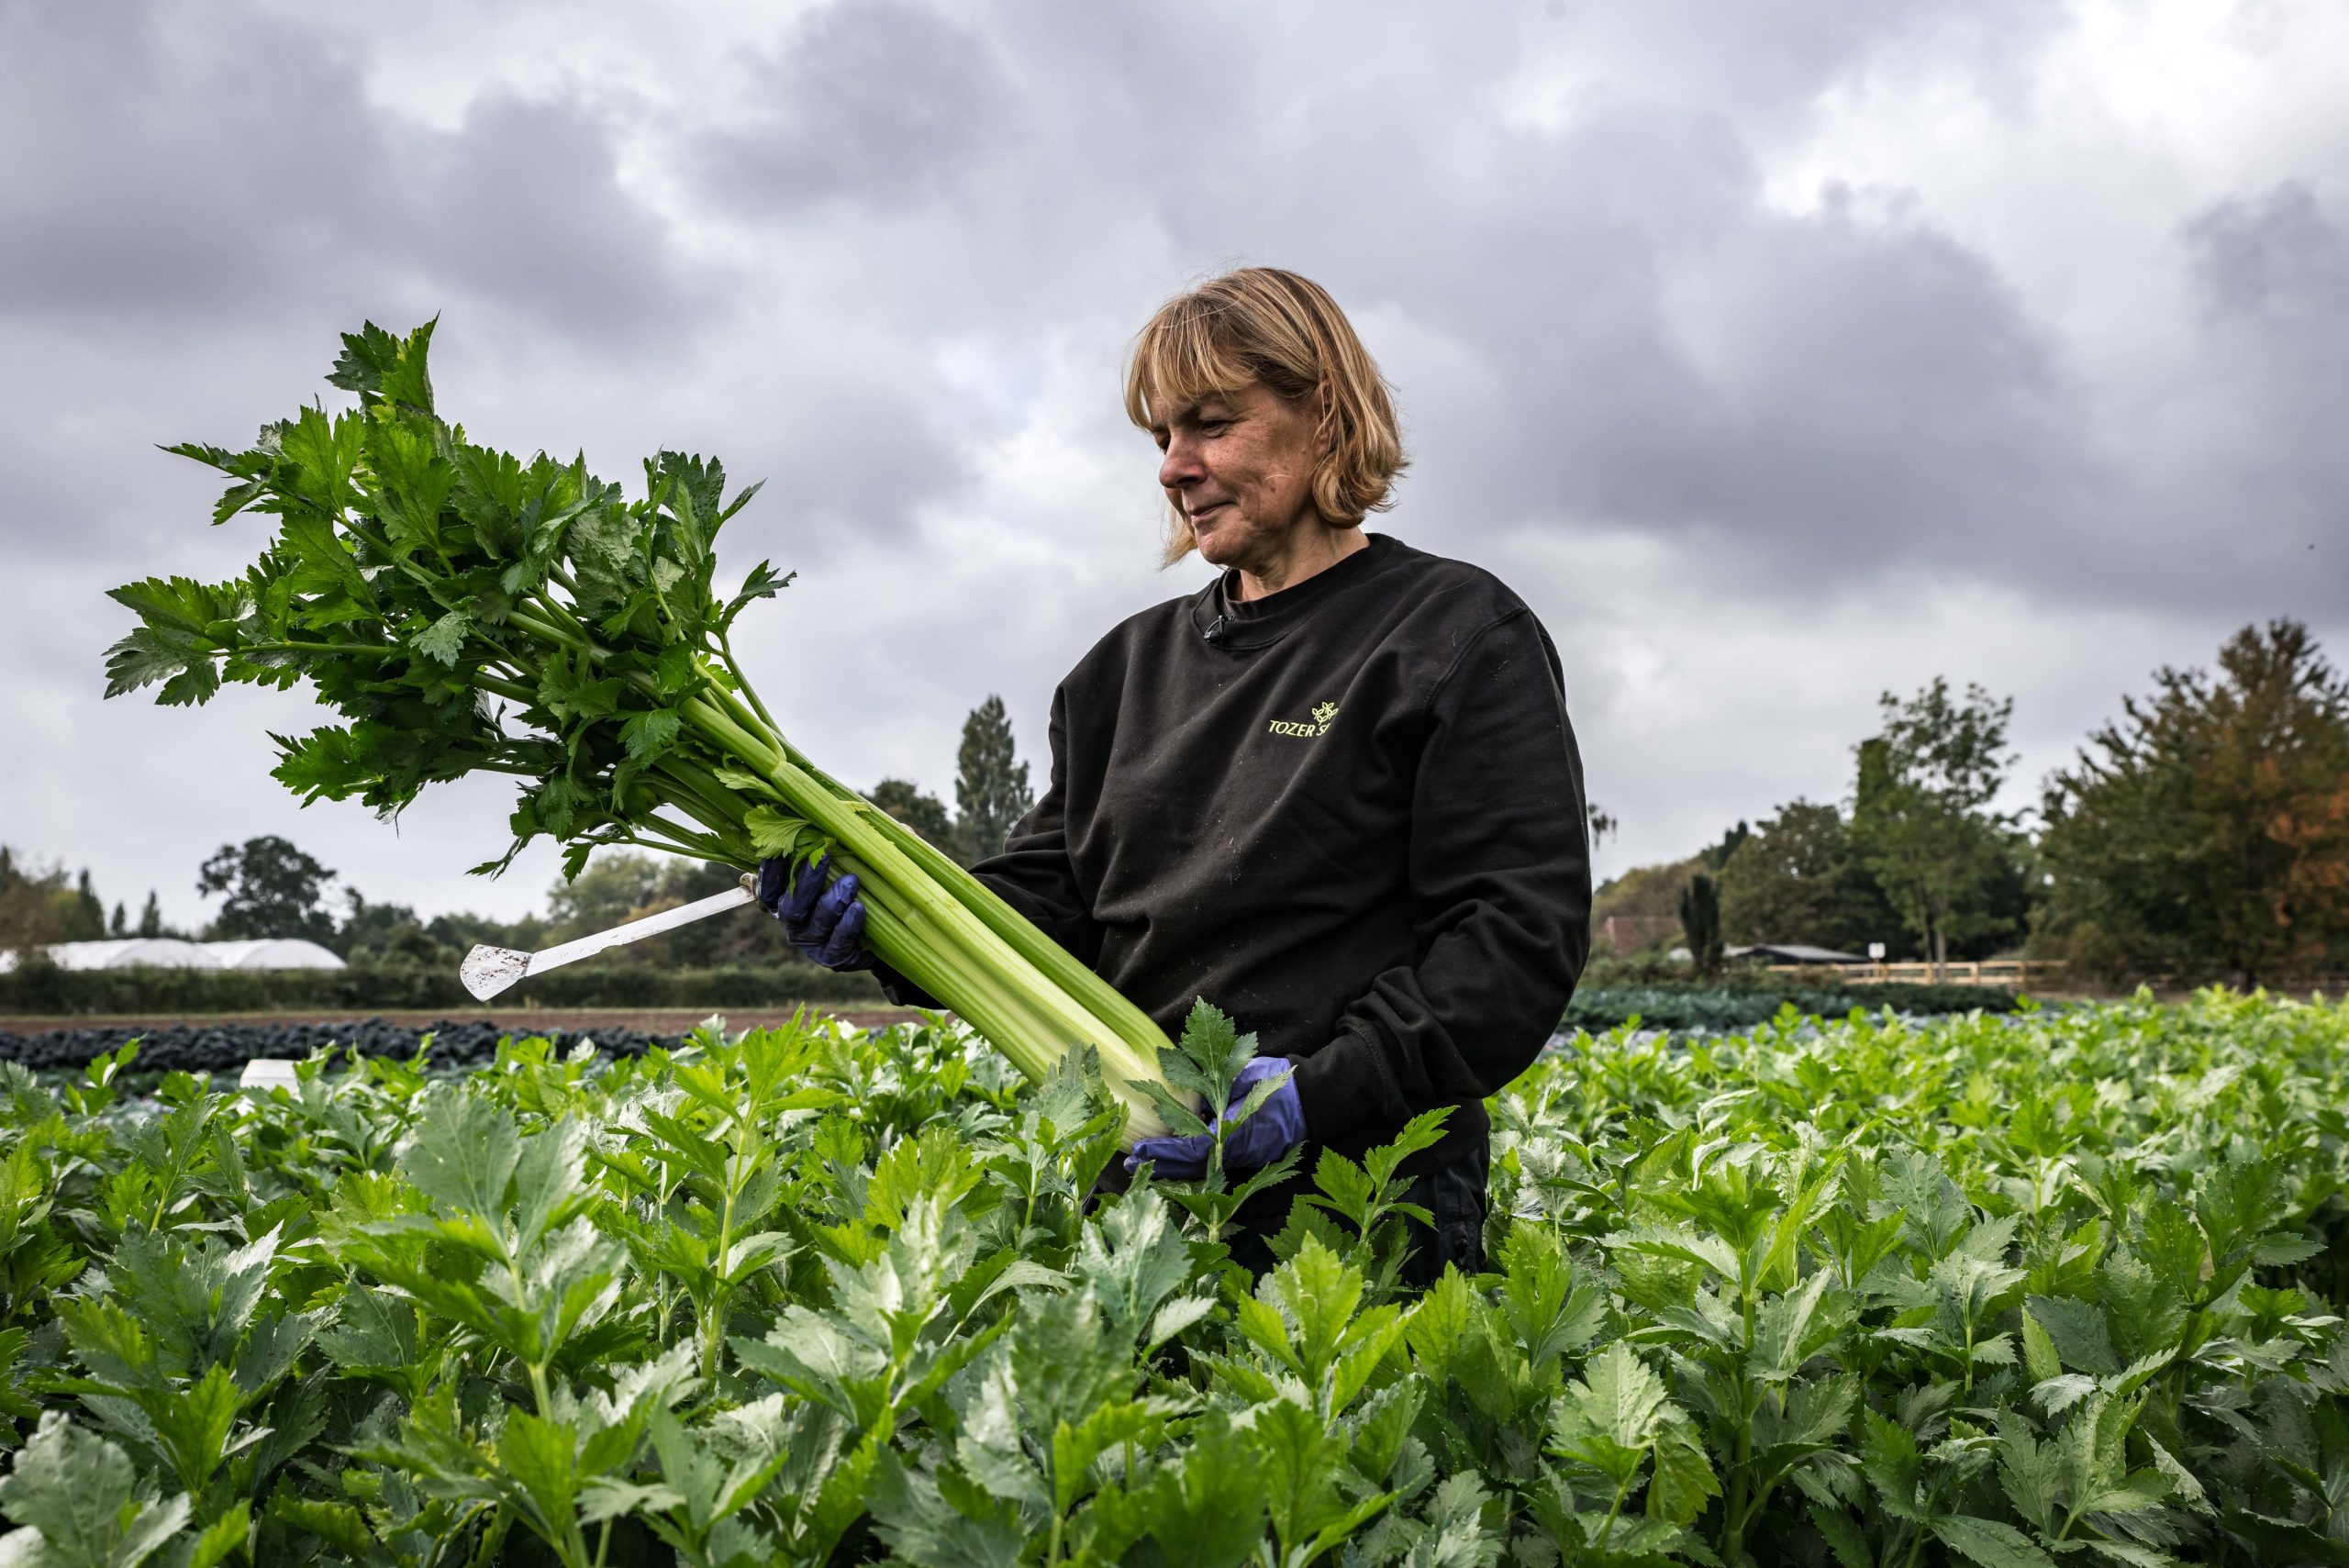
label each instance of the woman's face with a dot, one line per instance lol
(1240, 464)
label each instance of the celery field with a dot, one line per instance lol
(2056, 1287)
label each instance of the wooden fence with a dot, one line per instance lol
(2015, 972)
(2048, 973)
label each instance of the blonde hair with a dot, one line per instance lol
(1265, 324)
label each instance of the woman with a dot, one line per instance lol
(1334, 792)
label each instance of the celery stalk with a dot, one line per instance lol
(439, 595)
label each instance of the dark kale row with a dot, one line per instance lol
(1681, 1006)
(364, 988)
(227, 1046)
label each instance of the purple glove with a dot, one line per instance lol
(825, 923)
(1277, 1126)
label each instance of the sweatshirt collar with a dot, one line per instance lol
(1238, 624)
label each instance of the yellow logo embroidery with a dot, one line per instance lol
(1323, 715)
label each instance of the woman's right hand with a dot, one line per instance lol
(821, 916)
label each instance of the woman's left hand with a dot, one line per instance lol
(1276, 1126)
(821, 915)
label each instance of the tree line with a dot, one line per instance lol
(271, 887)
(2203, 834)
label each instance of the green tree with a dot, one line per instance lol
(388, 933)
(85, 913)
(150, 918)
(2207, 830)
(925, 814)
(1645, 891)
(1799, 878)
(275, 890)
(119, 923)
(1715, 856)
(1639, 910)
(38, 907)
(1922, 818)
(609, 889)
(32, 906)
(621, 886)
(743, 937)
(461, 933)
(1700, 921)
(991, 789)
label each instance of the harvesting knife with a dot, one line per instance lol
(487, 970)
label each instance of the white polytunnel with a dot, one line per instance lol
(172, 952)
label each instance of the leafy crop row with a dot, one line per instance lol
(1997, 1291)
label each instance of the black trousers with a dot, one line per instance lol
(1454, 1196)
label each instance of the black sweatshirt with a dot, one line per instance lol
(1350, 813)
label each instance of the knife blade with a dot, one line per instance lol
(490, 970)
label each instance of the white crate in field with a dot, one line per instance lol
(267, 1072)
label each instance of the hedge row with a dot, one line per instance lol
(364, 988)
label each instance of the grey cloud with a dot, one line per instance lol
(1650, 346)
(1877, 395)
(1875, 398)
(189, 165)
(160, 164)
(1826, 397)
(873, 100)
(2276, 257)
(1871, 391)
(846, 464)
(2271, 274)
(1764, 62)
(522, 204)
(199, 197)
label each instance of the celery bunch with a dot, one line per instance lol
(463, 610)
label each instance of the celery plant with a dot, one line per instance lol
(465, 611)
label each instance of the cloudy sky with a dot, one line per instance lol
(1777, 352)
